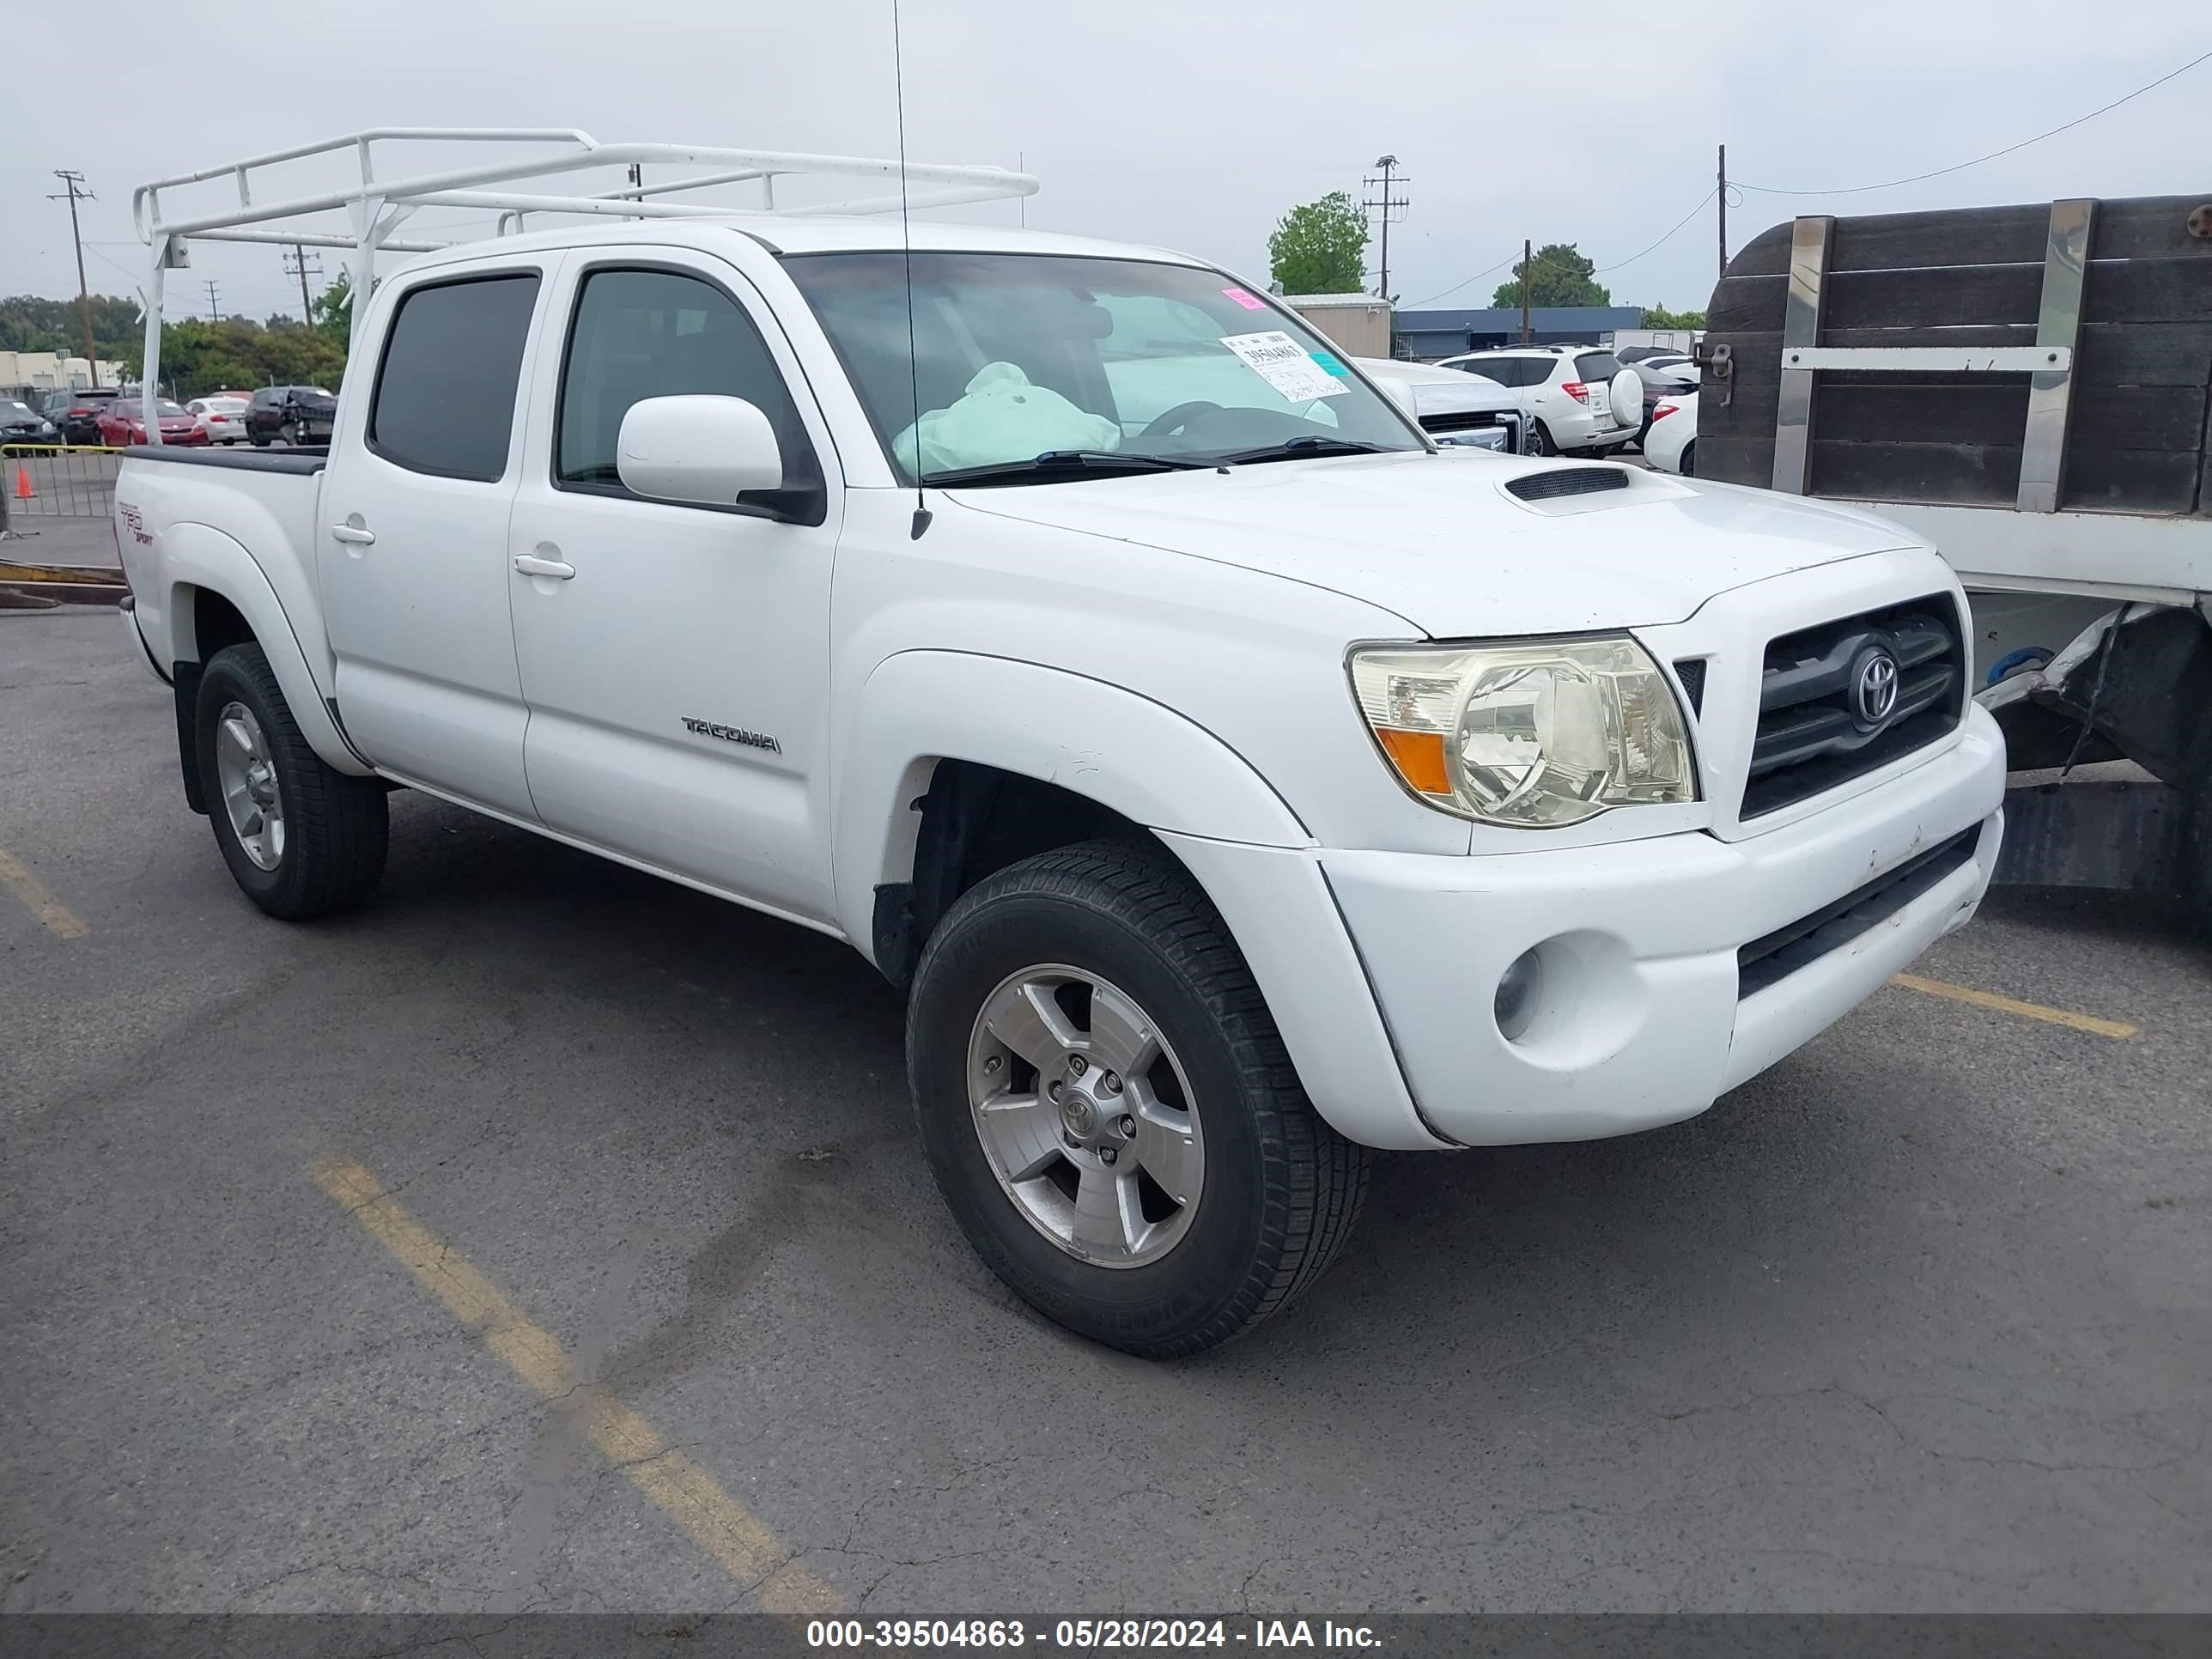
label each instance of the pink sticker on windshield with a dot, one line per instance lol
(1244, 299)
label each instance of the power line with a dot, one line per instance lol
(1663, 240)
(1595, 271)
(1861, 189)
(1384, 205)
(1463, 281)
(73, 190)
(295, 263)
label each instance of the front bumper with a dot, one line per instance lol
(1639, 1021)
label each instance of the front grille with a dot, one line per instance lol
(1476, 419)
(1813, 733)
(1567, 481)
(1773, 958)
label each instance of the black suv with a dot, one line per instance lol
(297, 414)
(76, 414)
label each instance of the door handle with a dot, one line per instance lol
(358, 535)
(531, 565)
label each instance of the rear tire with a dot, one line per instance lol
(1278, 1190)
(1687, 462)
(301, 838)
(2199, 845)
(1543, 443)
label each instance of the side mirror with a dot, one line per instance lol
(706, 450)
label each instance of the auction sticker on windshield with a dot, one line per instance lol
(1285, 365)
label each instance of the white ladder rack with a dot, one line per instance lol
(376, 206)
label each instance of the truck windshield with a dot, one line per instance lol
(1016, 356)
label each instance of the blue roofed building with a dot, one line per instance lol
(1428, 335)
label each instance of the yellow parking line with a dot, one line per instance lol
(1936, 987)
(690, 1497)
(56, 918)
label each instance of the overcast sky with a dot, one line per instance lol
(1184, 123)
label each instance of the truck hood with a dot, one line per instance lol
(1440, 541)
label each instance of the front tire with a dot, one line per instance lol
(1109, 1110)
(301, 838)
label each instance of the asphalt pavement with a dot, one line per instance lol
(547, 1236)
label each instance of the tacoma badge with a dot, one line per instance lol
(732, 734)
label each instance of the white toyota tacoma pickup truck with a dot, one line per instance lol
(1235, 780)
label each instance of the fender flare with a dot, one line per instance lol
(1152, 765)
(200, 556)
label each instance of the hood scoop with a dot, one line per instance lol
(1566, 480)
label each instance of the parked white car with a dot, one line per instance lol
(1455, 408)
(1671, 445)
(1232, 788)
(1580, 399)
(224, 419)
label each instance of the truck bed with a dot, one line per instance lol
(176, 509)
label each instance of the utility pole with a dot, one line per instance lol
(1722, 200)
(72, 189)
(295, 263)
(1528, 270)
(214, 300)
(1386, 203)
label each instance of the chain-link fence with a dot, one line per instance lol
(55, 481)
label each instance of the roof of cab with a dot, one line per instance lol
(795, 233)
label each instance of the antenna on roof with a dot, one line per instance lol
(921, 514)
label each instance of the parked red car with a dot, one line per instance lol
(123, 422)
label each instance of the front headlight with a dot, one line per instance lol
(1529, 735)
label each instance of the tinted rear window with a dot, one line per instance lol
(445, 396)
(1597, 366)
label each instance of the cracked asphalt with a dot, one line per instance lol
(1917, 1322)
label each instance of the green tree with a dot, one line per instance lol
(29, 322)
(333, 309)
(1319, 248)
(1560, 275)
(1660, 317)
(199, 357)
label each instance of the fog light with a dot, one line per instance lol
(1517, 994)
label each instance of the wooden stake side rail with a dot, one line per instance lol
(2116, 416)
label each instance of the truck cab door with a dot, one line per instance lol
(412, 550)
(675, 657)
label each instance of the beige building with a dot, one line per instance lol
(1358, 324)
(49, 371)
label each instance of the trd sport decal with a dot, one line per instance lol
(732, 734)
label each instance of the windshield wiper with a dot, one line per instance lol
(1292, 449)
(1060, 465)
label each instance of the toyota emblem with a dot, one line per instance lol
(1873, 688)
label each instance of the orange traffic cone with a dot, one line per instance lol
(23, 490)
